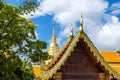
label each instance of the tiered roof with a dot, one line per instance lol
(66, 51)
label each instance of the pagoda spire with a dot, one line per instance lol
(53, 48)
(53, 34)
(81, 23)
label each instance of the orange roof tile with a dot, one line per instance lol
(117, 64)
(110, 56)
(36, 70)
(113, 59)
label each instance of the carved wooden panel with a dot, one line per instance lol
(80, 66)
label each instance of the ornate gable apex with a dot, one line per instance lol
(61, 60)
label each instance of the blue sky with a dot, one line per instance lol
(101, 20)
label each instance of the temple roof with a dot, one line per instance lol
(66, 51)
(113, 59)
(111, 56)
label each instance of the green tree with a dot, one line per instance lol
(18, 32)
(12, 68)
(17, 37)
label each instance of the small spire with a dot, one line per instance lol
(53, 34)
(81, 23)
(71, 33)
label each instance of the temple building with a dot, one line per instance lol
(78, 59)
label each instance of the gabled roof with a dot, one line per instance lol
(61, 59)
(66, 52)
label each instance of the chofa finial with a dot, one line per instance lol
(71, 33)
(81, 23)
(81, 18)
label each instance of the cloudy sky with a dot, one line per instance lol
(101, 20)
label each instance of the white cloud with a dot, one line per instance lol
(68, 11)
(115, 8)
(102, 28)
(108, 38)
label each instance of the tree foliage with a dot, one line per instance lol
(12, 68)
(18, 32)
(17, 37)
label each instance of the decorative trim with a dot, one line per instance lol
(100, 58)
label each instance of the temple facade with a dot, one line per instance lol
(78, 59)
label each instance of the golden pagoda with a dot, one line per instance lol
(79, 59)
(53, 48)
